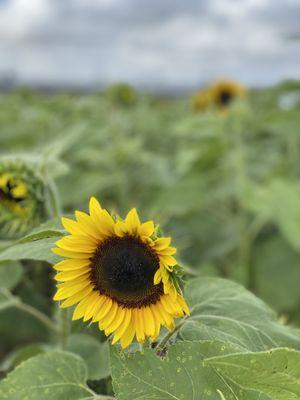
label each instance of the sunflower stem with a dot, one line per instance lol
(38, 315)
(64, 327)
(168, 336)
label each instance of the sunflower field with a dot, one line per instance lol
(150, 245)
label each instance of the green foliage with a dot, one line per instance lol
(54, 375)
(182, 374)
(275, 373)
(94, 353)
(225, 186)
(224, 310)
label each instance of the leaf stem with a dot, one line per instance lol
(168, 336)
(64, 327)
(37, 314)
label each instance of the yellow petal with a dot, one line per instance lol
(128, 335)
(70, 254)
(94, 207)
(90, 310)
(118, 320)
(80, 244)
(106, 223)
(69, 265)
(106, 306)
(147, 229)
(148, 319)
(168, 251)
(69, 275)
(169, 260)
(81, 308)
(64, 292)
(157, 277)
(139, 326)
(169, 321)
(183, 304)
(156, 313)
(121, 228)
(162, 243)
(168, 305)
(122, 327)
(76, 297)
(108, 319)
(72, 226)
(132, 222)
(74, 282)
(87, 225)
(101, 218)
(158, 321)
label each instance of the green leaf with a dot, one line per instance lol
(179, 375)
(7, 300)
(21, 354)
(93, 352)
(278, 202)
(277, 273)
(275, 373)
(10, 274)
(226, 311)
(34, 250)
(48, 229)
(54, 375)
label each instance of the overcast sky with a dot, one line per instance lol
(150, 43)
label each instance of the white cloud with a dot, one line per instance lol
(149, 43)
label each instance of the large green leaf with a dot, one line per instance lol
(93, 352)
(10, 274)
(277, 273)
(226, 311)
(179, 375)
(54, 375)
(275, 373)
(49, 229)
(277, 202)
(33, 250)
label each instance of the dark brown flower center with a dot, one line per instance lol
(123, 269)
(225, 97)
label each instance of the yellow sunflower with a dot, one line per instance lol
(120, 275)
(224, 92)
(218, 95)
(22, 198)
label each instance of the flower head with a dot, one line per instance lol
(22, 203)
(225, 92)
(120, 274)
(219, 95)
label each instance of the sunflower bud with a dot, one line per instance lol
(22, 198)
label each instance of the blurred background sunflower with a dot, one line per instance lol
(22, 198)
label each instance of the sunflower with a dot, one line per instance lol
(218, 95)
(224, 92)
(120, 274)
(22, 202)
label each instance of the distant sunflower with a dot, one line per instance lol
(218, 95)
(120, 273)
(22, 198)
(225, 92)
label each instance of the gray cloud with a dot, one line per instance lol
(166, 43)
